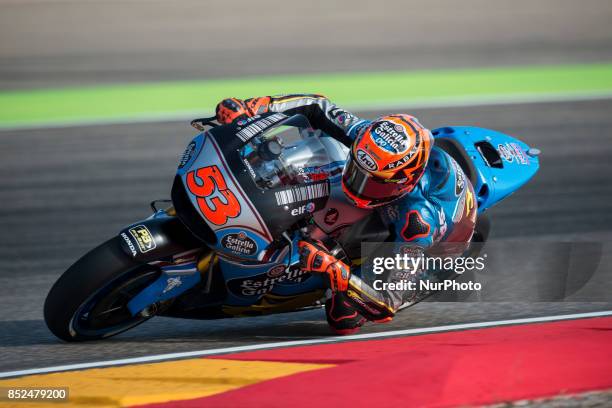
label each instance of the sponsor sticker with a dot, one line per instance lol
(390, 136)
(505, 153)
(129, 243)
(239, 243)
(311, 174)
(459, 178)
(519, 153)
(512, 151)
(250, 119)
(144, 238)
(398, 163)
(261, 284)
(250, 169)
(304, 209)
(172, 283)
(187, 154)
(366, 160)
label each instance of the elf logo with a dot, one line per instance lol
(305, 209)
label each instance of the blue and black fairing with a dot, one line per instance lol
(274, 203)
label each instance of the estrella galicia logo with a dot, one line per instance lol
(144, 238)
(259, 285)
(511, 151)
(187, 154)
(459, 178)
(366, 160)
(239, 243)
(390, 136)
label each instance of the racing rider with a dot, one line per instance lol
(394, 168)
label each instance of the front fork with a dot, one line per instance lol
(174, 280)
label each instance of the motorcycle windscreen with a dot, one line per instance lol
(286, 156)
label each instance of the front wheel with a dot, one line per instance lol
(89, 301)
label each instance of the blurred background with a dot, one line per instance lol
(95, 98)
(51, 43)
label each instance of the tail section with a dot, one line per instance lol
(496, 164)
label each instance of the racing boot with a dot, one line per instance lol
(353, 301)
(342, 317)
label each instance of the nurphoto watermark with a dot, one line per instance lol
(532, 271)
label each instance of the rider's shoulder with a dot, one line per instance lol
(442, 174)
(357, 128)
(413, 217)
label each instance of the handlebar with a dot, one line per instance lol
(201, 123)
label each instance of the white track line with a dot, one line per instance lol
(430, 103)
(394, 333)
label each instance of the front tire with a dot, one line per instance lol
(88, 302)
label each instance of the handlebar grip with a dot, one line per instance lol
(201, 123)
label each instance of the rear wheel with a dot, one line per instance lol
(89, 301)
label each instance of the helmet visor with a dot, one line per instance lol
(366, 186)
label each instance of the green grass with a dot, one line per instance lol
(166, 99)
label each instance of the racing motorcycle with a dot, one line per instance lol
(225, 245)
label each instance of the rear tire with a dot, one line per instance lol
(482, 229)
(105, 277)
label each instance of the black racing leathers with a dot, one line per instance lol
(321, 113)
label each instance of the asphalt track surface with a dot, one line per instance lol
(65, 190)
